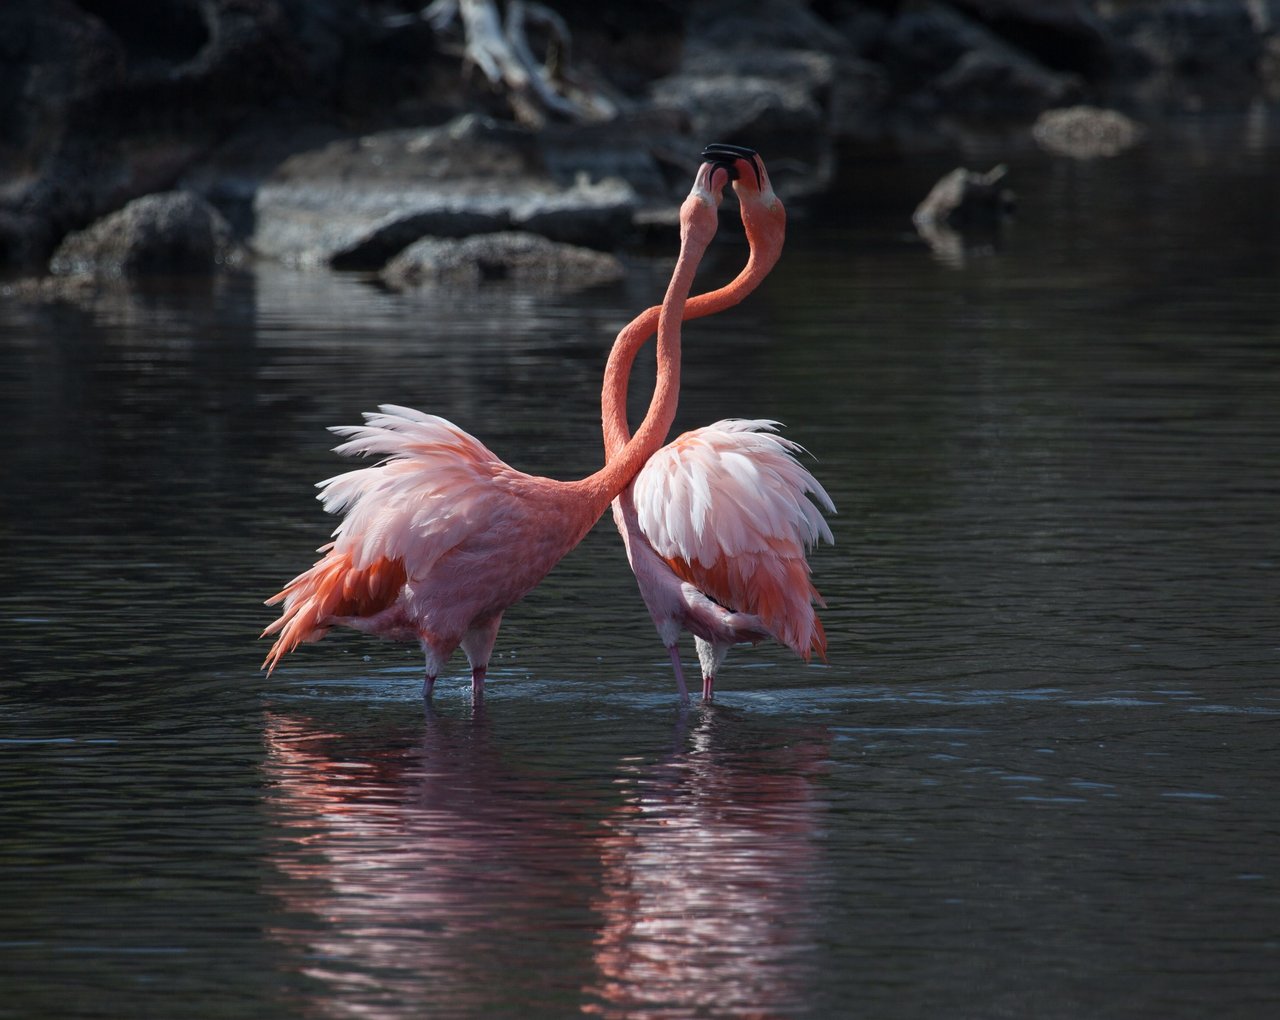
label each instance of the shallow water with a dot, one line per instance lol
(1037, 777)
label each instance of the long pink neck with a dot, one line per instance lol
(601, 487)
(764, 252)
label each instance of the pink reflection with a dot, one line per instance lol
(708, 895)
(423, 872)
(413, 863)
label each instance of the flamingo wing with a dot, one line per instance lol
(435, 487)
(733, 512)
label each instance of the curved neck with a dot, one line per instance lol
(620, 468)
(764, 252)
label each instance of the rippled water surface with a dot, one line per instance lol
(1038, 776)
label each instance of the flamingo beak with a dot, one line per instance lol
(729, 168)
(721, 152)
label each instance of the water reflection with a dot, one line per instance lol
(412, 866)
(412, 859)
(710, 871)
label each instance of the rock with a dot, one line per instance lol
(963, 198)
(1194, 38)
(1065, 35)
(756, 67)
(355, 203)
(1085, 132)
(938, 59)
(768, 73)
(515, 256)
(587, 212)
(996, 81)
(173, 232)
(638, 147)
(106, 102)
(779, 98)
(53, 55)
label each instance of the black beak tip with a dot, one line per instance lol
(723, 153)
(728, 167)
(723, 150)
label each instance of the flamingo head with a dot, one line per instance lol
(763, 215)
(700, 211)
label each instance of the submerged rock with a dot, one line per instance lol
(170, 232)
(1085, 132)
(516, 256)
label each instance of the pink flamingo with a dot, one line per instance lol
(441, 538)
(717, 523)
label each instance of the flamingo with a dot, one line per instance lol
(441, 537)
(717, 523)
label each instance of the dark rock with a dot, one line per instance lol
(756, 47)
(517, 257)
(1064, 35)
(596, 214)
(174, 232)
(768, 73)
(764, 97)
(352, 204)
(639, 147)
(1193, 37)
(952, 63)
(1085, 132)
(105, 102)
(52, 56)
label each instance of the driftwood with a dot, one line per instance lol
(963, 201)
(500, 48)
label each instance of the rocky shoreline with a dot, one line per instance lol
(192, 135)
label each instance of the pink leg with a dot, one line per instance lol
(478, 645)
(708, 682)
(675, 664)
(428, 686)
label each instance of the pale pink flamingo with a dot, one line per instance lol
(441, 538)
(717, 523)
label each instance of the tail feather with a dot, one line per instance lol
(331, 589)
(819, 644)
(776, 588)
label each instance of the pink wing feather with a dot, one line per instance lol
(733, 512)
(436, 486)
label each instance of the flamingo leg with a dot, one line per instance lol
(708, 683)
(428, 687)
(675, 665)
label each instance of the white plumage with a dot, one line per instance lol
(728, 489)
(436, 485)
(717, 524)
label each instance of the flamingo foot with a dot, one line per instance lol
(708, 683)
(680, 684)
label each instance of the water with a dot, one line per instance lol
(1037, 777)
